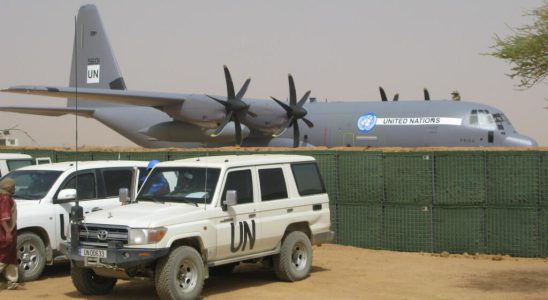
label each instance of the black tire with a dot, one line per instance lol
(180, 275)
(294, 261)
(223, 270)
(31, 256)
(89, 283)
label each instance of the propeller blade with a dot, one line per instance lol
(383, 94)
(284, 127)
(238, 130)
(252, 114)
(296, 134)
(426, 94)
(223, 124)
(285, 106)
(229, 83)
(222, 102)
(292, 91)
(303, 99)
(242, 91)
(396, 97)
(307, 121)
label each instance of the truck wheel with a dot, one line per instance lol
(31, 256)
(89, 283)
(295, 258)
(180, 275)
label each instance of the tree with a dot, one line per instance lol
(455, 95)
(527, 49)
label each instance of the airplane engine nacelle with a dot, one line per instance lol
(180, 132)
(199, 113)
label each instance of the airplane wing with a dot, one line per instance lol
(140, 98)
(48, 111)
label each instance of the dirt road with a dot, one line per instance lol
(341, 272)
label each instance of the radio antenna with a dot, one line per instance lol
(76, 212)
(76, 98)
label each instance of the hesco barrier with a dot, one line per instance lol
(430, 200)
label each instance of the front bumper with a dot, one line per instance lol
(117, 257)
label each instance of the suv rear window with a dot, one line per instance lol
(308, 179)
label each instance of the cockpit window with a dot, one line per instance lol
(474, 118)
(481, 118)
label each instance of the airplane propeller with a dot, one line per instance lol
(295, 111)
(426, 95)
(234, 106)
(383, 95)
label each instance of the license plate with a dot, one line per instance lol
(93, 253)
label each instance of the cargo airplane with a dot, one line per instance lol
(156, 119)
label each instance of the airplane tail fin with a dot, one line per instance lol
(93, 61)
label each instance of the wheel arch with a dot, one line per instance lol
(191, 241)
(298, 226)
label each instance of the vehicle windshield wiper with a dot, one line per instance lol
(189, 202)
(153, 199)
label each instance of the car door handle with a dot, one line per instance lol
(252, 215)
(96, 209)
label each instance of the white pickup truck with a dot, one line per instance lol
(201, 216)
(13, 161)
(45, 194)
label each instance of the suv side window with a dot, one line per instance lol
(87, 188)
(308, 179)
(114, 180)
(272, 184)
(241, 182)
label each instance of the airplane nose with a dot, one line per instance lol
(519, 140)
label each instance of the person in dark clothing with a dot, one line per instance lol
(8, 233)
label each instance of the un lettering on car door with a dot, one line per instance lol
(246, 233)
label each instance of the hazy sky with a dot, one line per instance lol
(341, 50)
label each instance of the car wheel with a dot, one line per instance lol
(180, 275)
(31, 256)
(294, 261)
(89, 283)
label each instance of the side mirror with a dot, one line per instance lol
(67, 195)
(231, 199)
(123, 193)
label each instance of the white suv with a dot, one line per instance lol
(201, 216)
(44, 196)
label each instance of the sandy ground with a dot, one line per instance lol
(341, 272)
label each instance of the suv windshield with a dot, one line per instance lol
(190, 185)
(33, 185)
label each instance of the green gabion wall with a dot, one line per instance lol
(486, 201)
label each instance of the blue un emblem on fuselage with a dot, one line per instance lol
(367, 122)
